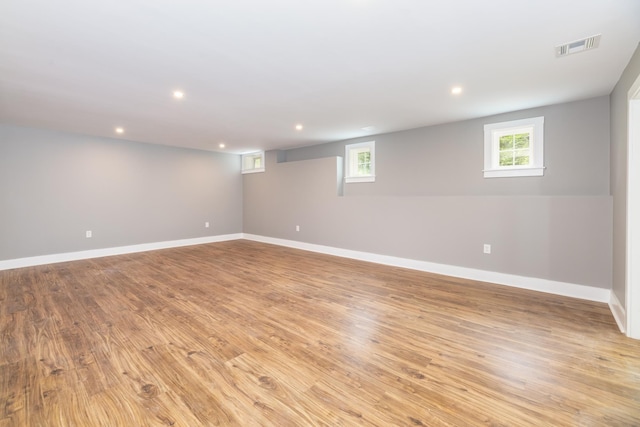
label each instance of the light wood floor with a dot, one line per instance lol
(248, 334)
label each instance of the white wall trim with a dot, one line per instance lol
(618, 311)
(542, 285)
(632, 274)
(120, 250)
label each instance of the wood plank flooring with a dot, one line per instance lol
(248, 334)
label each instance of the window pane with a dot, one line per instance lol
(364, 157)
(257, 162)
(506, 142)
(506, 158)
(364, 163)
(522, 157)
(522, 140)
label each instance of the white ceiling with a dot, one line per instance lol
(252, 69)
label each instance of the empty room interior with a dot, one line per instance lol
(320, 213)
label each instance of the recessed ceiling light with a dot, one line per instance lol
(221, 145)
(178, 94)
(456, 90)
(368, 128)
(119, 130)
(299, 127)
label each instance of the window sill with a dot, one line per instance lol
(352, 179)
(253, 170)
(513, 172)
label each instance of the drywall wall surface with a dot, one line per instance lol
(619, 144)
(448, 159)
(55, 186)
(560, 238)
(287, 194)
(431, 203)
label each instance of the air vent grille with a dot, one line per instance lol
(578, 46)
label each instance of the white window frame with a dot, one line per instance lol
(492, 133)
(249, 158)
(351, 162)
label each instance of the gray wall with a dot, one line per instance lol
(54, 186)
(448, 159)
(431, 203)
(619, 142)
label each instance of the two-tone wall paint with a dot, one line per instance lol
(430, 202)
(55, 186)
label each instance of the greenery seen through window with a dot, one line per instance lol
(364, 163)
(514, 149)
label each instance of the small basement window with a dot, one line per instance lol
(253, 162)
(514, 148)
(360, 163)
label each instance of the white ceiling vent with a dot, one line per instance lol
(578, 46)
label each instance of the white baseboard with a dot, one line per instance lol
(120, 250)
(542, 285)
(619, 312)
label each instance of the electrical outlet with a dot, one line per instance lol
(88, 234)
(297, 228)
(206, 224)
(486, 249)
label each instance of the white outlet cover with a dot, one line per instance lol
(88, 234)
(206, 224)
